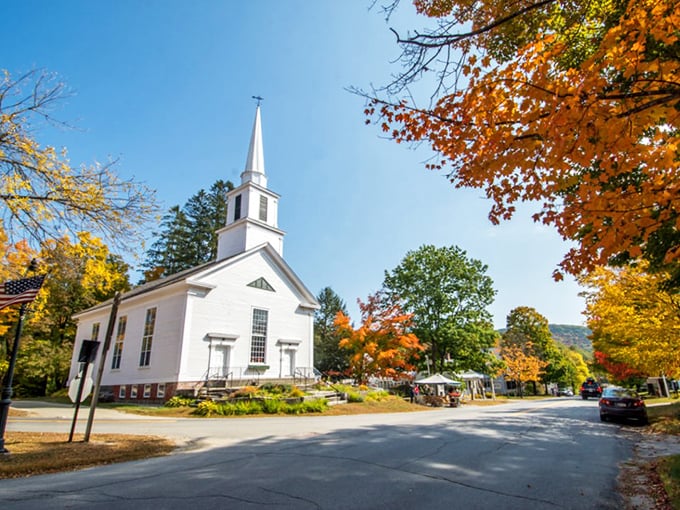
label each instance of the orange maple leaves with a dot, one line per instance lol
(382, 346)
(594, 142)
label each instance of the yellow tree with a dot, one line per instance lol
(14, 260)
(572, 105)
(382, 346)
(42, 195)
(521, 364)
(81, 273)
(633, 319)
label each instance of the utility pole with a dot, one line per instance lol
(102, 362)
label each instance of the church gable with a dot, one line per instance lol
(261, 283)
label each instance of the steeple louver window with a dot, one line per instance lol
(263, 208)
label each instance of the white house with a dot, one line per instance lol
(244, 317)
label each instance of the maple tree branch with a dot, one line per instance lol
(448, 39)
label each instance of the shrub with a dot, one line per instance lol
(318, 405)
(247, 407)
(206, 408)
(245, 392)
(272, 406)
(354, 396)
(377, 395)
(296, 392)
(275, 389)
(179, 402)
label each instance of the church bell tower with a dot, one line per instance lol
(252, 209)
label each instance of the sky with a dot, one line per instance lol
(165, 87)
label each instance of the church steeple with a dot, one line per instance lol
(252, 209)
(254, 170)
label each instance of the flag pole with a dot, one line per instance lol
(7, 390)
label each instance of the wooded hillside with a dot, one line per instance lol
(572, 335)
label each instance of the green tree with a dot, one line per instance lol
(328, 356)
(448, 295)
(188, 235)
(206, 212)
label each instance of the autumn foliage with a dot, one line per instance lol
(620, 372)
(634, 321)
(381, 346)
(572, 105)
(521, 364)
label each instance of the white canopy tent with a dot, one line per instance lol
(475, 383)
(438, 380)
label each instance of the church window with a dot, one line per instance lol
(147, 339)
(118, 346)
(95, 331)
(261, 283)
(237, 207)
(147, 391)
(121, 391)
(258, 341)
(133, 391)
(263, 208)
(160, 390)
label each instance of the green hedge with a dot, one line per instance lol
(266, 406)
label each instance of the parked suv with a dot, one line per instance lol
(590, 388)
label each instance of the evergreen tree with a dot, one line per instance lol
(188, 235)
(328, 355)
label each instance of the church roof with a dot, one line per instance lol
(193, 275)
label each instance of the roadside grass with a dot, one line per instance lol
(37, 453)
(665, 419)
(669, 472)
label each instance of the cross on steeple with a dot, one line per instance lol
(259, 99)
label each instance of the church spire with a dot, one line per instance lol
(254, 170)
(252, 208)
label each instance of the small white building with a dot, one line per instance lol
(244, 317)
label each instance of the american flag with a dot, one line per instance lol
(20, 291)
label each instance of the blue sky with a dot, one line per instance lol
(165, 86)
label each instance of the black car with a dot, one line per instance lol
(622, 403)
(590, 388)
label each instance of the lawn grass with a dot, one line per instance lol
(35, 453)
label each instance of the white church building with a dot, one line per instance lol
(243, 317)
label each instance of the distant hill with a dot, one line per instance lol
(572, 335)
(569, 335)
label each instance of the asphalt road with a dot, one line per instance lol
(530, 455)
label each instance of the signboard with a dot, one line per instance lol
(75, 383)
